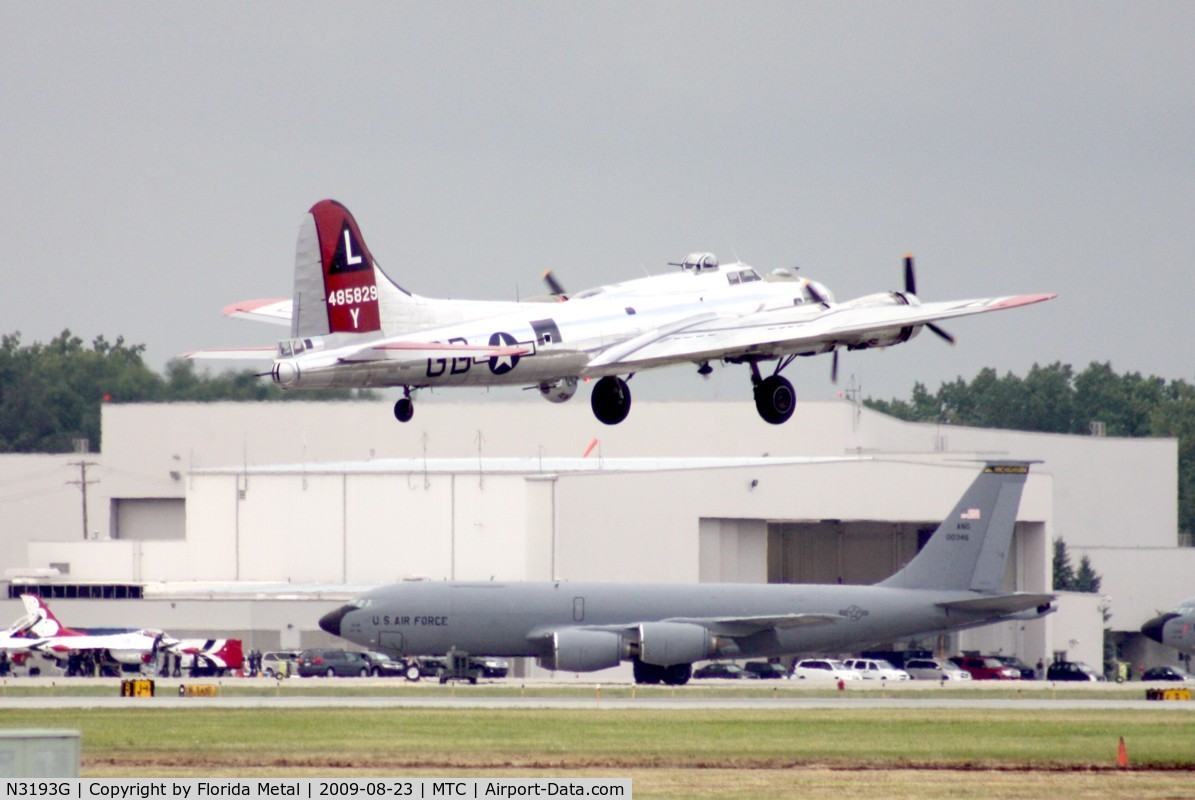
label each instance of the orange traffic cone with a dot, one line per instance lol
(1122, 755)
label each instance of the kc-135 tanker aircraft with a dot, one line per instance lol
(352, 326)
(953, 583)
(1174, 628)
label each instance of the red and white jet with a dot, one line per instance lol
(352, 326)
(40, 631)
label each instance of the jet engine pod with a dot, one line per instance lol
(668, 643)
(558, 391)
(584, 651)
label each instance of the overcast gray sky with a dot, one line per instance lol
(158, 159)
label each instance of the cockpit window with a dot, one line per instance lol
(293, 347)
(742, 276)
(361, 602)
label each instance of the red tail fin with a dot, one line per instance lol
(350, 288)
(45, 624)
(231, 653)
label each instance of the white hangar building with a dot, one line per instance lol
(252, 520)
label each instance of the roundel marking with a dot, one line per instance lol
(500, 365)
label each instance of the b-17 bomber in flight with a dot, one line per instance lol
(352, 326)
(662, 629)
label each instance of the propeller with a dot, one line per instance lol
(834, 368)
(911, 288)
(555, 286)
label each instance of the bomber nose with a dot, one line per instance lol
(1153, 628)
(330, 622)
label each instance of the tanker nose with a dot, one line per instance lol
(1153, 628)
(330, 622)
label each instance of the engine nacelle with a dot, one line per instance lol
(888, 336)
(558, 391)
(668, 643)
(584, 651)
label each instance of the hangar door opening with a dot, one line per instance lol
(841, 551)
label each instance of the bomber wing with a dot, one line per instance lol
(774, 332)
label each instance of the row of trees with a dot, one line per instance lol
(51, 394)
(1056, 399)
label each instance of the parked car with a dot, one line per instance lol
(876, 669)
(493, 667)
(932, 669)
(430, 666)
(1072, 671)
(1027, 672)
(983, 668)
(825, 669)
(329, 663)
(383, 666)
(765, 670)
(720, 670)
(278, 663)
(490, 667)
(1166, 674)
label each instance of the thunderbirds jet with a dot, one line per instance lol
(39, 630)
(1174, 628)
(953, 583)
(352, 326)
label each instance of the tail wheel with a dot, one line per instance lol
(404, 409)
(611, 400)
(775, 399)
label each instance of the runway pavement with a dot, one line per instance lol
(515, 694)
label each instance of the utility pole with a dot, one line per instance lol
(83, 483)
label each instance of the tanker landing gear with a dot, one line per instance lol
(674, 675)
(775, 398)
(611, 400)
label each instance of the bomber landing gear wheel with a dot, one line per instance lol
(404, 409)
(775, 399)
(611, 400)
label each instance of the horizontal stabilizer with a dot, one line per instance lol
(235, 354)
(273, 311)
(1006, 603)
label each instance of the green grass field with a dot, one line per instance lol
(782, 752)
